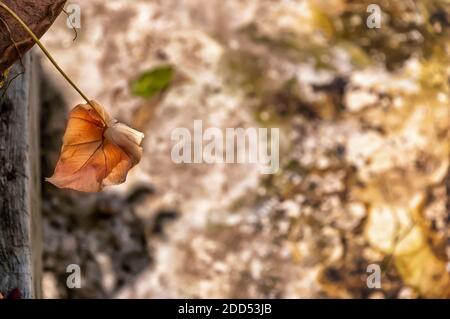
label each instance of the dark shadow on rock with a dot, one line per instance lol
(99, 232)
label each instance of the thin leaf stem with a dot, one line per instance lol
(39, 43)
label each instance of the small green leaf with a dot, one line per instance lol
(151, 82)
(3, 77)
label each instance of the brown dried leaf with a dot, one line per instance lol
(39, 15)
(97, 150)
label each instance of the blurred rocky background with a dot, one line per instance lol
(364, 116)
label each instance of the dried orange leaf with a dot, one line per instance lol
(97, 151)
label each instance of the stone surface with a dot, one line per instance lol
(364, 151)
